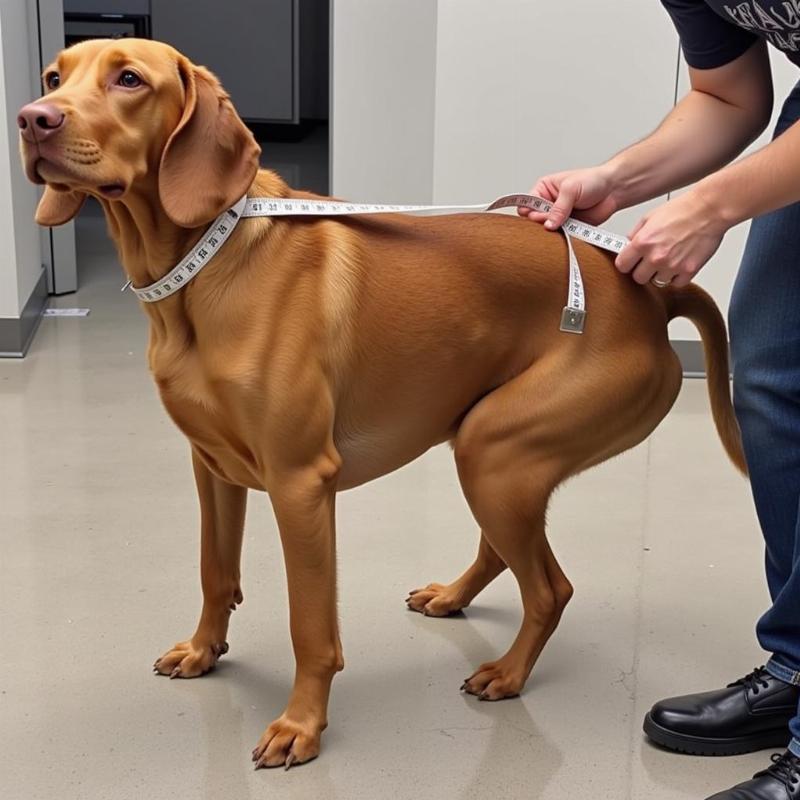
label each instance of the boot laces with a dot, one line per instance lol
(785, 767)
(754, 681)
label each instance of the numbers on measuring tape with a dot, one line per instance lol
(573, 318)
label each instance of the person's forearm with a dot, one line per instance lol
(766, 180)
(701, 134)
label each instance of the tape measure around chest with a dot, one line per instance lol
(573, 317)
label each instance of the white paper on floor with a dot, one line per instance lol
(66, 312)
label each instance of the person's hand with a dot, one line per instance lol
(588, 191)
(672, 243)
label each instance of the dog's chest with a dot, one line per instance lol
(205, 410)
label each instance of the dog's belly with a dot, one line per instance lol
(369, 455)
(396, 421)
(393, 414)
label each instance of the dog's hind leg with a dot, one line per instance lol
(516, 531)
(439, 600)
(222, 510)
(518, 444)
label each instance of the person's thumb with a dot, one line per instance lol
(563, 205)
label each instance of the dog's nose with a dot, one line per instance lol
(39, 121)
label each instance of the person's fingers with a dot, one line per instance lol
(637, 227)
(563, 204)
(628, 258)
(682, 279)
(543, 188)
(537, 216)
(644, 272)
(662, 279)
(547, 187)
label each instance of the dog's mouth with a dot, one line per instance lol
(31, 165)
(47, 169)
(69, 164)
(62, 176)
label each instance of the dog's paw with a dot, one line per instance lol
(436, 600)
(189, 660)
(286, 742)
(495, 680)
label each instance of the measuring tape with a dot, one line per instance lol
(573, 317)
(191, 264)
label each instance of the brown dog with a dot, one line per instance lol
(314, 355)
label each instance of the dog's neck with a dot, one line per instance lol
(150, 244)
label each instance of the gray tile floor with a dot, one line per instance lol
(99, 574)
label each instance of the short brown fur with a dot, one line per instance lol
(312, 356)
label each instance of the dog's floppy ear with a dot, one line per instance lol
(211, 158)
(56, 208)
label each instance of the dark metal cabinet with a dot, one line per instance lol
(251, 45)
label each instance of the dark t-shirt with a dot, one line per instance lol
(714, 33)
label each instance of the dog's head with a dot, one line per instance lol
(125, 116)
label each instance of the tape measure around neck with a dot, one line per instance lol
(574, 314)
(193, 262)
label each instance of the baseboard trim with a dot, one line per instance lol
(691, 356)
(16, 333)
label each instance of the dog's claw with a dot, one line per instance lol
(175, 673)
(290, 759)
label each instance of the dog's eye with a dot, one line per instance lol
(52, 80)
(130, 80)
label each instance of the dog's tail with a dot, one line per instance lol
(698, 307)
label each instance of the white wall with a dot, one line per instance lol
(20, 253)
(384, 68)
(524, 88)
(461, 100)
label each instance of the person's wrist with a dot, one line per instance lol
(612, 173)
(719, 206)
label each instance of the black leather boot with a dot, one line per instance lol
(781, 781)
(750, 714)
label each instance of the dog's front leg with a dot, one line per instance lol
(304, 509)
(222, 509)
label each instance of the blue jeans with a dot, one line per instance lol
(765, 344)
